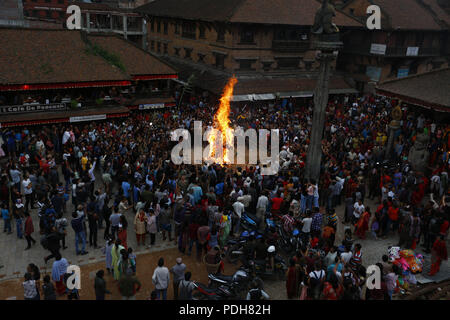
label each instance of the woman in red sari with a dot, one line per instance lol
(438, 254)
(363, 224)
(291, 280)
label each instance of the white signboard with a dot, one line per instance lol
(378, 49)
(412, 51)
(88, 118)
(33, 108)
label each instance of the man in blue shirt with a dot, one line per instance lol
(219, 188)
(6, 218)
(126, 188)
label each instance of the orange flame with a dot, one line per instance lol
(222, 123)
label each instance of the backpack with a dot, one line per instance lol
(315, 286)
(185, 292)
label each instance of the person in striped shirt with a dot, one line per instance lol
(356, 259)
(332, 218)
(288, 222)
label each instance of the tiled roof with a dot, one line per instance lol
(438, 11)
(431, 87)
(31, 56)
(408, 14)
(292, 12)
(136, 60)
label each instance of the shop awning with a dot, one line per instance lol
(269, 88)
(33, 118)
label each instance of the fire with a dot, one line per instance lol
(222, 123)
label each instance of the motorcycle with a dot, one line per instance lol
(237, 284)
(249, 221)
(270, 223)
(202, 292)
(234, 248)
(296, 240)
(259, 268)
(285, 241)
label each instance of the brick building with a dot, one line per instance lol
(98, 17)
(264, 43)
(414, 39)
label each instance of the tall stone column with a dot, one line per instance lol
(327, 44)
(88, 21)
(394, 125)
(389, 153)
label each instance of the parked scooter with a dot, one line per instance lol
(237, 284)
(249, 221)
(261, 268)
(234, 249)
(286, 242)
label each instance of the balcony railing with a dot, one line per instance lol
(290, 45)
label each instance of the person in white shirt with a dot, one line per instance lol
(346, 256)
(316, 195)
(28, 192)
(29, 288)
(245, 199)
(306, 228)
(161, 279)
(238, 208)
(66, 137)
(358, 210)
(261, 205)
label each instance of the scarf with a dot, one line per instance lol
(59, 269)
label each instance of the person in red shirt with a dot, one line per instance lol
(29, 229)
(444, 228)
(332, 289)
(202, 234)
(393, 218)
(193, 227)
(276, 204)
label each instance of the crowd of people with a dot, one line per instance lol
(117, 174)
